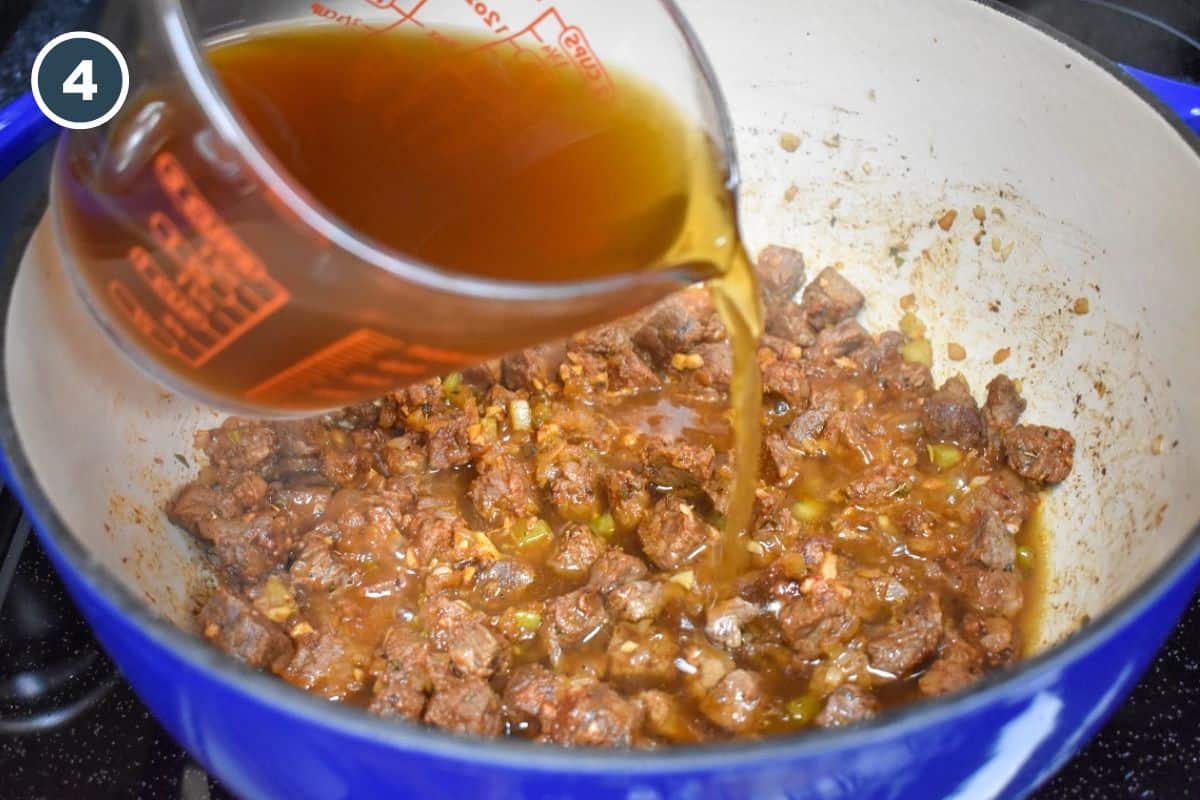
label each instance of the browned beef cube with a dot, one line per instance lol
(304, 504)
(317, 568)
(459, 631)
(406, 674)
(665, 717)
(849, 703)
(783, 456)
(534, 695)
(423, 396)
(475, 651)
(595, 715)
(503, 489)
(950, 414)
(773, 514)
(533, 369)
(250, 546)
(1004, 494)
(1004, 404)
(641, 657)
(678, 464)
(1041, 454)
(674, 533)
(448, 443)
(808, 424)
(789, 321)
(343, 466)
(194, 503)
(628, 497)
(992, 591)
(360, 415)
(625, 368)
(843, 339)
(786, 379)
(958, 665)
(905, 377)
(637, 600)
(575, 550)
(707, 665)
(243, 491)
(329, 665)
(992, 544)
(499, 584)
(603, 340)
(856, 431)
(725, 620)
(239, 444)
(716, 366)
(736, 703)
(878, 484)
(299, 438)
(466, 706)
(780, 274)
(1000, 412)
(890, 343)
(483, 376)
(235, 626)
(829, 299)
(431, 531)
(868, 357)
(677, 325)
(996, 636)
(571, 477)
(405, 455)
(575, 617)
(629, 372)
(817, 622)
(909, 639)
(615, 568)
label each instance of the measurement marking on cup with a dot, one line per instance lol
(558, 44)
(206, 289)
(489, 16)
(364, 358)
(549, 37)
(406, 13)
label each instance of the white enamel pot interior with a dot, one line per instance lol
(903, 110)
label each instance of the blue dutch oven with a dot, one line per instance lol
(951, 103)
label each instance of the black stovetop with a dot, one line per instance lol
(70, 726)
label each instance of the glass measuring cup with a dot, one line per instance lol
(218, 272)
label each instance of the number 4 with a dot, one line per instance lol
(80, 81)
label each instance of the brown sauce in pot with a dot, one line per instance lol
(524, 549)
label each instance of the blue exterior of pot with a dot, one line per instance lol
(265, 739)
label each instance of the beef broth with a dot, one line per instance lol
(469, 154)
(526, 549)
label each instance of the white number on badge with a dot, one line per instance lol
(80, 81)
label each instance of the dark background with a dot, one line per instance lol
(88, 736)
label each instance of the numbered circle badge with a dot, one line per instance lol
(80, 80)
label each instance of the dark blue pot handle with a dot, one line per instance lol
(23, 127)
(1181, 97)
